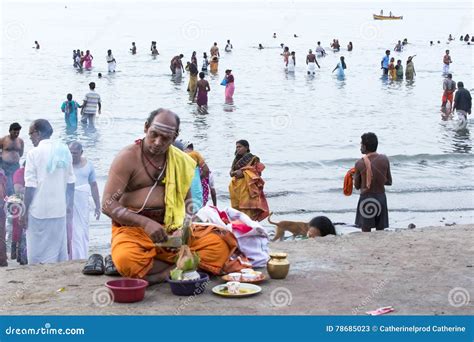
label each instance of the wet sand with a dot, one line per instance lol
(424, 271)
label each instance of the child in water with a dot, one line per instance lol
(391, 69)
(399, 69)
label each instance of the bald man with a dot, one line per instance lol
(86, 184)
(311, 62)
(147, 197)
(49, 195)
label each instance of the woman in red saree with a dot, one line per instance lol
(246, 186)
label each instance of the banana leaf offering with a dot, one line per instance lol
(187, 262)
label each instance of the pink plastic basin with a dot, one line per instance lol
(127, 290)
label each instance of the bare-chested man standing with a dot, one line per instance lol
(311, 62)
(215, 50)
(12, 149)
(146, 195)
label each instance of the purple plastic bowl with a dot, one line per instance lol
(189, 287)
(127, 290)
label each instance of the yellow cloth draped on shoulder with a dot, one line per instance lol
(133, 252)
(179, 175)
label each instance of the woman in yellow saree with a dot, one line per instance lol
(246, 186)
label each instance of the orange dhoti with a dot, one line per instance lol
(447, 96)
(133, 251)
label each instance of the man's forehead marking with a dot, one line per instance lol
(163, 127)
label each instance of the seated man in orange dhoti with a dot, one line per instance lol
(246, 186)
(145, 196)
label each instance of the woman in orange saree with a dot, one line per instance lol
(246, 186)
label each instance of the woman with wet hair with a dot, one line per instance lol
(321, 226)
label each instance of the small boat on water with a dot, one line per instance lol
(386, 17)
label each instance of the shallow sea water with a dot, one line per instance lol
(306, 130)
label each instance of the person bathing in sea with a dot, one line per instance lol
(291, 63)
(410, 69)
(88, 60)
(385, 61)
(340, 67)
(449, 87)
(286, 56)
(154, 50)
(446, 62)
(320, 52)
(205, 62)
(398, 47)
(391, 69)
(176, 65)
(111, 62)
(228, 46)
(311, 62)
(462, 104)
(399, 69)
(203, 88)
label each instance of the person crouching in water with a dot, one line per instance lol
(320, 226)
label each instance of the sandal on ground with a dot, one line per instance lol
(110, 269)
(94, 265)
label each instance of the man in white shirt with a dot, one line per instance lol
(49, 195)
(111, 62)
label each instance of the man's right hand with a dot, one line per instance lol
(155, 231)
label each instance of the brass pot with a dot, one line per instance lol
(278, 266)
